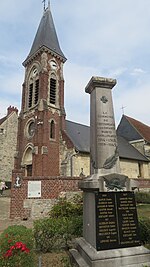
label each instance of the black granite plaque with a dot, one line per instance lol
(116, 220)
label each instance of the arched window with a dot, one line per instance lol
(53, 82)
(33, 92)
(27, 160)
(52, 130)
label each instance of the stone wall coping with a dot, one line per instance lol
(52, 178)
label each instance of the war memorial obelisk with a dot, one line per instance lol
(110, 224)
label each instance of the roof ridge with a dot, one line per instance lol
(79, 123)
(136, 120)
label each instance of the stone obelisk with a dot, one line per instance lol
(105, 166)
(103, 143)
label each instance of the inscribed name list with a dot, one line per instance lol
(116, 220)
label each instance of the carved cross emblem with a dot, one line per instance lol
(104, 99)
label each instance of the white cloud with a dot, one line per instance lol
(137, 71)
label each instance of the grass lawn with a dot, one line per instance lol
(143, 210)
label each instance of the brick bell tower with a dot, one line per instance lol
(42, 115)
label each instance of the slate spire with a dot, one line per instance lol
(46, 36)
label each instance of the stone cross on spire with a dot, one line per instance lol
(123, 109)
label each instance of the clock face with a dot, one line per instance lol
(53, 65)
(31, 128)
(35, 71)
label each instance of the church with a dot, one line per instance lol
(52, 153)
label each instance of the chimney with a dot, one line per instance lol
(11, 109)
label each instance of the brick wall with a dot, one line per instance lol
(143, 184)
(51, 187)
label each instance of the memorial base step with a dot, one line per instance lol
(87, 256)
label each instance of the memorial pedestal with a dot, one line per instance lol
(110, 225)
(110, 230)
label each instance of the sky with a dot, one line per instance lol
(98, 37)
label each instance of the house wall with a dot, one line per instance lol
(65, 158)
(131, 168)
(81, 162)
(8, 141)
(73, 163)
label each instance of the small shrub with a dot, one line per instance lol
(142, 197)
(46, 234)
(64, 224)
(144, 230)
(67, 208)
(55, 233)
(16, 247)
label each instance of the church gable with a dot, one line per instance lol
(141, 128)
(127, 130)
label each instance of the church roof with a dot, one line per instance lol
(132, 129)
(46, 36)
(126, 150)
(79, 134)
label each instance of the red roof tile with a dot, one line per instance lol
(142, 129)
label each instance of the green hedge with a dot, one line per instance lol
(142, 197)
(144, 230)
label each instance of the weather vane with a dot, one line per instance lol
(44, 3)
